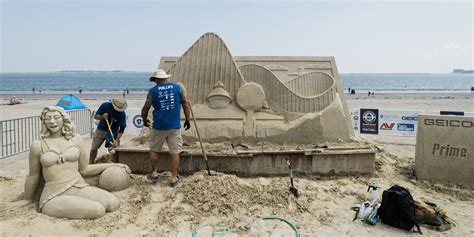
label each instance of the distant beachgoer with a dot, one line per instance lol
(34, 90)
(80, 90)
(123, 94)
(353, 92)
(39, 90)
(368, 93)
(348, 90)
(373, 94)
(127, 90)
(14, 101)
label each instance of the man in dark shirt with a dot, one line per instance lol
(114, 113)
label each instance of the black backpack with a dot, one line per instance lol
(398, 208)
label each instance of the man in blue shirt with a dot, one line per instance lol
(166, 98)
(114, 113)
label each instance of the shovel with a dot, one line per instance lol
(110, 129)
(292, 187)
(200, 141)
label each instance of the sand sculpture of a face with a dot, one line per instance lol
(60, 158)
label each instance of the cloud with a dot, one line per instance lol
(445, 50)
(450, 47)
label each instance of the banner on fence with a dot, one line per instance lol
(385, 122)
(134, 121)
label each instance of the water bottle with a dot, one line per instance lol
(374, 195)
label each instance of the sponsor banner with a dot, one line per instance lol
(398, 122)
(369, 122)
(134, 121)
(385, 122)
(355, 116)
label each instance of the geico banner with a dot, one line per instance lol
(385, 122)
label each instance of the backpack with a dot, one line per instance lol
(398, 208)
(433, 216)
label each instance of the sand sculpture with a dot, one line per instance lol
(273, 99)
(61, 160)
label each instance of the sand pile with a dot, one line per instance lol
(233, 199)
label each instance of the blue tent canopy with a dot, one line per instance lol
(70, 102)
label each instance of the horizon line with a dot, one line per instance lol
(125, 71)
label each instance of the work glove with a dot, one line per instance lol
(116, 143)
(187, 125)
(146, 123)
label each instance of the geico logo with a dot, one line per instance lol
(411, 118)
(449, 123)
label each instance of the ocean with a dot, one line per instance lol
(63, 82)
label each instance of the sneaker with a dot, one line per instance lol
(178, 181)
(152, 179)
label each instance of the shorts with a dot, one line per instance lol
(98, 140)
(172, 137)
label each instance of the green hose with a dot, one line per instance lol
(248, 223)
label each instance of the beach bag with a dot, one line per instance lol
(430, 214)
(398, 208)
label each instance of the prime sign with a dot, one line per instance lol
(445, 149)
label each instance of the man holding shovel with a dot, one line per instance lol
(113, 121)
(166, 98)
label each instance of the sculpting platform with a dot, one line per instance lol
(329, 161)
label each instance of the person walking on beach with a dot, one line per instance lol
(127, 90)
(166, 98)
(34, 90)
(80, 90)
(109, 113)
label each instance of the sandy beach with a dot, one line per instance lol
(323, 209)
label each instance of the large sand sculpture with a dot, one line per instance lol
(248, 99)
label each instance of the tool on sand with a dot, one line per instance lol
(200, 141)
(292, 187)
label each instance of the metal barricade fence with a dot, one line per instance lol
(16, 135)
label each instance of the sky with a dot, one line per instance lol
(363, 36)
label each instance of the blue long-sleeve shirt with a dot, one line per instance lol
(116, 119)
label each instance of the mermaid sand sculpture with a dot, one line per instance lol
(261, 99)
(62, 160)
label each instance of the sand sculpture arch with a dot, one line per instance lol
(204, 64)
(282, 98)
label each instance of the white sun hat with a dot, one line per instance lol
(119, 105)
(160, 74)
